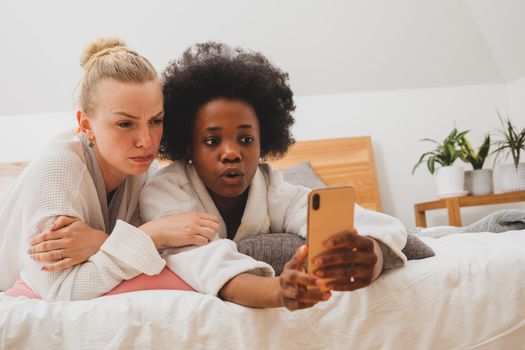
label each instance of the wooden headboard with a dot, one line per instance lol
(342, 161)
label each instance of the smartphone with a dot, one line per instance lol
(330, 211)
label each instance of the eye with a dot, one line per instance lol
(125, 124)
(212, 141)
(247, 139)
(157, 121)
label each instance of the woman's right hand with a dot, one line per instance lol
(182, 229)
(68, 242)
(298, 289)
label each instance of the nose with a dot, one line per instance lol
(230, 153)
(143, 138)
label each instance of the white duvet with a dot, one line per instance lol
(470, 295)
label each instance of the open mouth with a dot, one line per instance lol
(232, 176)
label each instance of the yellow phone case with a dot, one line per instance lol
(330, 211)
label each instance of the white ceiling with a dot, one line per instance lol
(331, 46)
(502, 26)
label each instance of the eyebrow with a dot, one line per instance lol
(217, 128)
(135, 117)
(245, 126)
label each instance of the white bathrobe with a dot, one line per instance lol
(273, 205)
(59, 182)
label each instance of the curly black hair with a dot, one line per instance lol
(213, 70)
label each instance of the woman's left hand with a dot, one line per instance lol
(350, 261)
(70, 241)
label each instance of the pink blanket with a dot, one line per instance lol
(166, 279)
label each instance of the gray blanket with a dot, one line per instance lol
(500, 221)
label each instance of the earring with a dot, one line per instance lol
(91, 144)
(190, 161)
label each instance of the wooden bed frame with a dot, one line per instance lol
(342, 161)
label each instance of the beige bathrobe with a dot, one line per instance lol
(273, 205)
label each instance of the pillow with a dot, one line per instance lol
(303, 174)
(276, 249)
(165, 280)
(416, 249)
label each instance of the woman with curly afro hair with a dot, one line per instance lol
(226, 109)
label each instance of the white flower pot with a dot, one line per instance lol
(512, 179)
(450, 181)
(479, 182)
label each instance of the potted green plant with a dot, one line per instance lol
(477, 181)
(512, 142)
(449, 177)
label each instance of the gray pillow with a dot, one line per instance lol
(416, 249)
(277, 249)
(303, 174)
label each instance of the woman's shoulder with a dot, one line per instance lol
(65, 145)
(174, 173)
(272, 176)
(276, 182)
(63, 155)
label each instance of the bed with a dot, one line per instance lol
(470, 295)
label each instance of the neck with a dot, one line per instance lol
(112, 177)
(231, 210)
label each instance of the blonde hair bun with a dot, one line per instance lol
(99, 46)
(110, 58)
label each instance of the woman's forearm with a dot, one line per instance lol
(252, 291)
(126, 253)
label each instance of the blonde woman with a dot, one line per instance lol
(94, 176)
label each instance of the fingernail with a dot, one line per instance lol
(43, 268)
(330, 243)
(29, 251)
(319, 261)
(319, 273)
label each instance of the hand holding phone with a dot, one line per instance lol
(336, 253)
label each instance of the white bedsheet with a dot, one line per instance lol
(471, 295)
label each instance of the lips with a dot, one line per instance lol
(232, 176)
(143, 159)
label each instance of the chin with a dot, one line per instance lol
(139, 170)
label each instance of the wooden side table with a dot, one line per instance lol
(453, 204)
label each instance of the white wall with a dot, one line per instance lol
(332, 46)
(396, 120)
(516, 92)
(22, 136)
